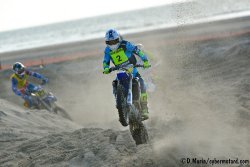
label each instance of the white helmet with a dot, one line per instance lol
(18, 68)
(112, 39)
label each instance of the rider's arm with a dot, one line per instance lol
(35, 74)
(14, 87)
(106, 59)
(137, 51)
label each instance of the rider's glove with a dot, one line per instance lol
(106, 71)
(146, 64)
(44, 81)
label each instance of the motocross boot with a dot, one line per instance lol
(26, 104)
(144, 106)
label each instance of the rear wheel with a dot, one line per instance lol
(137, 128)
(139, 134)
(121, 105)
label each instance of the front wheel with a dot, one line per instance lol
(60, 111)
(122, 105)
(54, 108)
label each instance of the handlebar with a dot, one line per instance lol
(36, 88)
(111, 69)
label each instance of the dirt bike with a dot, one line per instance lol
(46, 100)
(128, 102)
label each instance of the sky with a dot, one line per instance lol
(15, 14)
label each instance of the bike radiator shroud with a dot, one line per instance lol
(124, 80)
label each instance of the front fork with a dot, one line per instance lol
(130, 95)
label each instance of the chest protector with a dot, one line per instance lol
(118, 56)
(21, 82)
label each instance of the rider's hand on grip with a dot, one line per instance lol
(45, 81)
(106, 71)
(146, 64)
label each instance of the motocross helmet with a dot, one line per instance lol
(112, 39)
(19, 69)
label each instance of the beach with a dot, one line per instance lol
(198, 90)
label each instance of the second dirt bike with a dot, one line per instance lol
(46, 100)
(128, 102)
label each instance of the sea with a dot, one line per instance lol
(171, 15)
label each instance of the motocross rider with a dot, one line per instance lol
(20, 85)
(121, 52)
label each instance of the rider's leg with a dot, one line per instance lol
(143, 98)
(28, 102)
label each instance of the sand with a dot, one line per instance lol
(198, 98)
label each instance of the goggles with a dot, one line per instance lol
(112, 42)
(19, 70)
